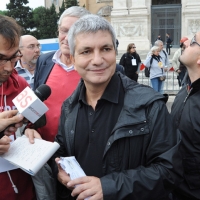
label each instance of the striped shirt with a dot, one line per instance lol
(23, 72)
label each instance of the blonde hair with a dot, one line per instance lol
(153, 49)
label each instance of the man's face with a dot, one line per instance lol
(7, 53)
(30, 49)
(63, 29)
(95, 58)
(191, 52)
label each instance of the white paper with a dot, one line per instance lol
(4, 164)
(134, 61)
(30, 157)
(71, 166)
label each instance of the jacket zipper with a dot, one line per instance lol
(188, 89)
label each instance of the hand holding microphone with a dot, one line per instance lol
(30, 105)
(7, 118)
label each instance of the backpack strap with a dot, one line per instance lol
(150, 63)
(164, 53)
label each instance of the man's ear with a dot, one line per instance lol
(73, 61)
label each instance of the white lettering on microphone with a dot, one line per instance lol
(34, 111)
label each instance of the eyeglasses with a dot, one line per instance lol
(13, 59)
(193, 41)
(132, 47)
(33, 46)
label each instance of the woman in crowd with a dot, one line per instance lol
(131, 62)
(156, 67)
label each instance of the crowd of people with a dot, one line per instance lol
(119, 131)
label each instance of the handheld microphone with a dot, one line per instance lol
(30, 104)
(43, 92)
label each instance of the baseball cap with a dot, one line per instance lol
(183, 39)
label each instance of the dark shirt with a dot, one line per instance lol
(169, 41)
(185, 112)
(93, 127)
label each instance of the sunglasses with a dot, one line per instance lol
(193, 41)
(132, 47)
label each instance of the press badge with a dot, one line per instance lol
(133, 61)
(160, 64)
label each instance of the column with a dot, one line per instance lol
(190, 17)
(132, 26)
(119, 7)
(138, 7)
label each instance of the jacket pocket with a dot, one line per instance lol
(191, 168)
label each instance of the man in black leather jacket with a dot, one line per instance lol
(119, 131)
(185, 113)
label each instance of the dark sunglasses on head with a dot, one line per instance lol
(193, 41)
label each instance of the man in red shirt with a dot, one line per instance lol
(57, 71)
(15, 184)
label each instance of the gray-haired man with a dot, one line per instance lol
(57, 71)
(119, 131)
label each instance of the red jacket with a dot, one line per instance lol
(23, 181)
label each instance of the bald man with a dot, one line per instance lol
(30, 49)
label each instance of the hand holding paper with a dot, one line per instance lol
(30, 157)
(90, 184)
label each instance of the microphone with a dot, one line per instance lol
(43, 92)
(30, 104)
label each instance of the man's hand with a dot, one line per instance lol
(63, 177)
(31, 134)
(87, 186)
(4, 144)
(9, 117)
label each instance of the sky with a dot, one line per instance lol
(32, 3)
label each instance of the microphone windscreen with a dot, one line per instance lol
(43, 92)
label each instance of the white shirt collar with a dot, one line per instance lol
(56, 59)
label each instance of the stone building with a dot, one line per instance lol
(141, 21)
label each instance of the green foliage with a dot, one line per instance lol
(69, 3)
(3, 12)
(40, 22)
(61, 9)
(46, 22)
(22, 14)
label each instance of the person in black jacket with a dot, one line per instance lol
(185, 112)
(118, 130)
(168, 43)
(131, 62)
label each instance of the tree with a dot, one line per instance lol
(22, 14)
(61, 9)
(46, 21)
(3, 12)
(38, 14)
(69, 3)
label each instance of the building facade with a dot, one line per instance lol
(141, 21)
